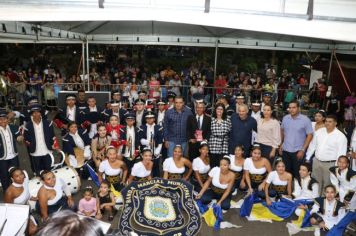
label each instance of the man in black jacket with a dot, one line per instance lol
(198, 129)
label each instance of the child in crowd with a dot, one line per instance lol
(105, 200)
(88, 205)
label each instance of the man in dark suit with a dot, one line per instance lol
(39, 137)
(71, 113)
(8, 152)
(198, 129)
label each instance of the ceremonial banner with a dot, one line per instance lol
(159, 207)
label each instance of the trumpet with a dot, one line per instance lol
(129, 141)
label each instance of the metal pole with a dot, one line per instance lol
(83, 59)
(88, 71)
(215, 66)
(330, 66)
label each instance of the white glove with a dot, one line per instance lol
(73, 161)
(145, 142)
(87, 152)
(157, 151)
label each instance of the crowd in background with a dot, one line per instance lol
(237, 132)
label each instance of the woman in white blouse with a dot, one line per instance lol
(142, 171)
(201, 167)
(268, 134)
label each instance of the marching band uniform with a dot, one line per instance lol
(140, 172)
(69, 114)
(8, 151)
(257, 175)
(112, 175)
(160, 114)
(345, 184)
(140, 115)
(40, 139)
(238, 170)
(93, 115)
(305, 188)
(216, 190)
(107, 113)
(78, 140)
(132, 134)
(329, 212)
(25, 115)
(152, 133)
(173, 171)
(203, 170)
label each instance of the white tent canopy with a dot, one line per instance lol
(311, 25)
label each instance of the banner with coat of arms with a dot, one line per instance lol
(159, 207)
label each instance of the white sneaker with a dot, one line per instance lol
(234, 193)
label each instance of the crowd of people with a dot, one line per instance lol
(234, 144)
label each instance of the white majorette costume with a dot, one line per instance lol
(305, 188)
(173, 171)
(276, 184)
(202, 168)
(140, 172)
(345, 184)
(238, 170)
(257, 175)
(23, 198)
(112, 175)
(329, 212)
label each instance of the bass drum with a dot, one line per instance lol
(68, 174)
(70, 177)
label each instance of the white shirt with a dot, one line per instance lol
(77, 140)
(139, 118)
(71, 113)
(327, 146)
(200, 120)
(256, 115)
(130, 133)
(41, 147)
(160, 117)
(93, 127)
(353, 146)
(8, 142)
(302, 192)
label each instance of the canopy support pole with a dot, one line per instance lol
(83, 59)
(215, 67)
(88, 71)
(330, 66)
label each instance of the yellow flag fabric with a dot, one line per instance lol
(209, 217)
(299, 221)
(116, 193)
(261, 212)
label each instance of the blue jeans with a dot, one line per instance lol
(173, 144)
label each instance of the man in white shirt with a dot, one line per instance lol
(39, 137)
(8, 152)
(328, 144)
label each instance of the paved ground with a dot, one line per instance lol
(248, 228)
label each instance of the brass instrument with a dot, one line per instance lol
(3, 86)
(129, 141)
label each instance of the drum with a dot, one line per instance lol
(70, 177)
(79, 156)
(68, 174)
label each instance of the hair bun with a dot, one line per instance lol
(11, 168)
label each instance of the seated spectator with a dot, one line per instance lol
(87, 205)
